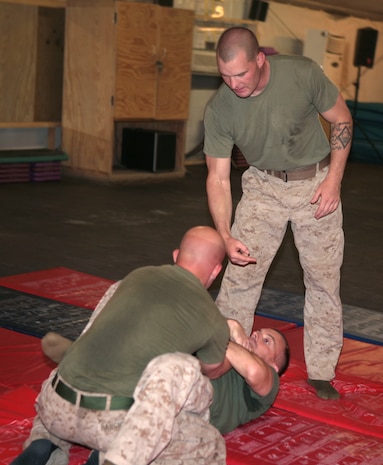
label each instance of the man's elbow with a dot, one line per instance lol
(215, 370)
(260, 381)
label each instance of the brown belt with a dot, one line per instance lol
(306, 172)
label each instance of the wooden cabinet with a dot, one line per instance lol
(126, 65)
(153, 66)
(31, 73)
(31, 62)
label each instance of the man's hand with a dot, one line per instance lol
(238, 253)
(237, 333)
(328, 196)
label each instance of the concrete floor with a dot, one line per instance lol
(108, 230)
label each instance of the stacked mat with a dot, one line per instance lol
(32, 165)
(14, 172)
(45, 171)
(300, 429)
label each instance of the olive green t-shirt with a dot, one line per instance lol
(235, 403)
(155, 310)
(278, 129)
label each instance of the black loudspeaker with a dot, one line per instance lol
(258, 10)
(365, 47)
(148, 150)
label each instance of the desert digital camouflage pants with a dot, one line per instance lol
(261, 219)
(167, 424)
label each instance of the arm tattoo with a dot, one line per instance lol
(341, 135)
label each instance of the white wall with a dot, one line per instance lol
(194, 126)
(25, 138)
(285, 29)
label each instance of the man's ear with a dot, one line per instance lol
(213, 275)
(275, 366)
(216, 270)
(260, 59)
(175, 255)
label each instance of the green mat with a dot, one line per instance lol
(32, 156)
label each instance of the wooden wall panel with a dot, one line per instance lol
(88, 87)
(175, 48)
(136, 71)
(18, 26)
(50, 3)
(49, 64)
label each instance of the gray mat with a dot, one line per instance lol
(359, 323)
(36, 315)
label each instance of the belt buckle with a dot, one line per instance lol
(284, 176)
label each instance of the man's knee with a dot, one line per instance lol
(176, 373)
(174, 361)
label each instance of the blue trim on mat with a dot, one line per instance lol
(358, 323)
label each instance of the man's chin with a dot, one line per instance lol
(242, 94)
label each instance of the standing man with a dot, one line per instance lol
(269, 108)
(152, 311)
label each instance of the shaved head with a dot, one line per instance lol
(234, 40)
(201, 252)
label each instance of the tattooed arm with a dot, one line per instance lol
(327, 196)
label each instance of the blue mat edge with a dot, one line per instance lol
(299, 324)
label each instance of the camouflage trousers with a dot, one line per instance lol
(267, 205)
(167, 424)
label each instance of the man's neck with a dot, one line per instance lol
(264, 77)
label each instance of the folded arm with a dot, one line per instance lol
(257, 373)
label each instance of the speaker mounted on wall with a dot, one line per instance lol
(258, 10)
(365, 47)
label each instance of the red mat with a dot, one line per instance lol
(23, 369)
(22, 362)
(14, 434)
(300, 429)
(360, 407)
(286, 438)
(280, 437)
(264, 322)
(61, 284)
